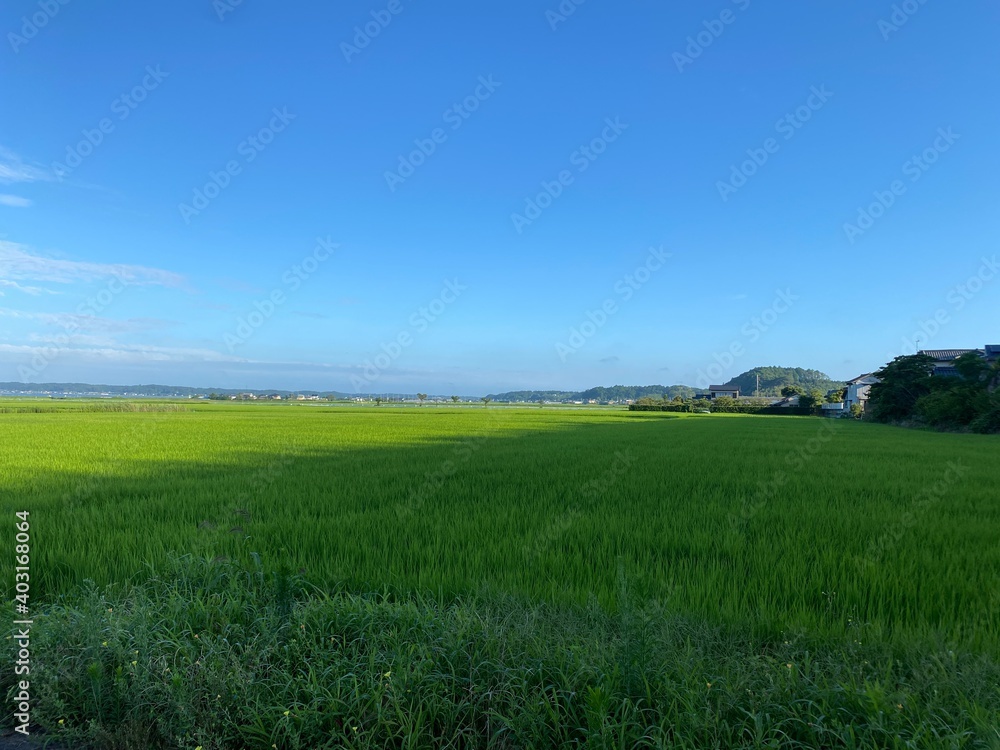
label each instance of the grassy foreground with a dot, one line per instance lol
(792, 582)
(215, 655)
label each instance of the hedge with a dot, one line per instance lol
(798, 411)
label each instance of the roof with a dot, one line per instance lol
(723, 387)
(861, 378)
(946, 354)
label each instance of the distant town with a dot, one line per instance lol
(788, 387)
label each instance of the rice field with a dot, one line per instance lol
(782, 525)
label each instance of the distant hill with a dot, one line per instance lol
(773, 379)
(623, 392)
(600, 393)
(152, 390)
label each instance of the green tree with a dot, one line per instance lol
(486, 401)
(454, 399)
(956, 401)
(973, 369)
(902, 383)
(836, 396)
(792, 390)
(988, 419)
(422, 397)
(950, 405)
(856, 411)
(378, 401)
(812, 399)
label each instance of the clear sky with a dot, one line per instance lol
(475, 197)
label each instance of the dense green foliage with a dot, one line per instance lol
(811, 399)
(622, 393)
(908, 391)
(773, 379)
(721, 406)
(221, 655)
(618, 393)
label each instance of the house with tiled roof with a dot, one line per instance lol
(944, 365)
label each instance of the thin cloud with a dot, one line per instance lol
(16, 262)
(123, 353)
(84, 322)
(34, 290)
(14, 169)
(14, 201)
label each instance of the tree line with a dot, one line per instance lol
(908, 392)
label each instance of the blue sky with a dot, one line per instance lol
(403, 196)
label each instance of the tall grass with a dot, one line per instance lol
(223, 655)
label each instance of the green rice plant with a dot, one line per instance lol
(843, 530)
